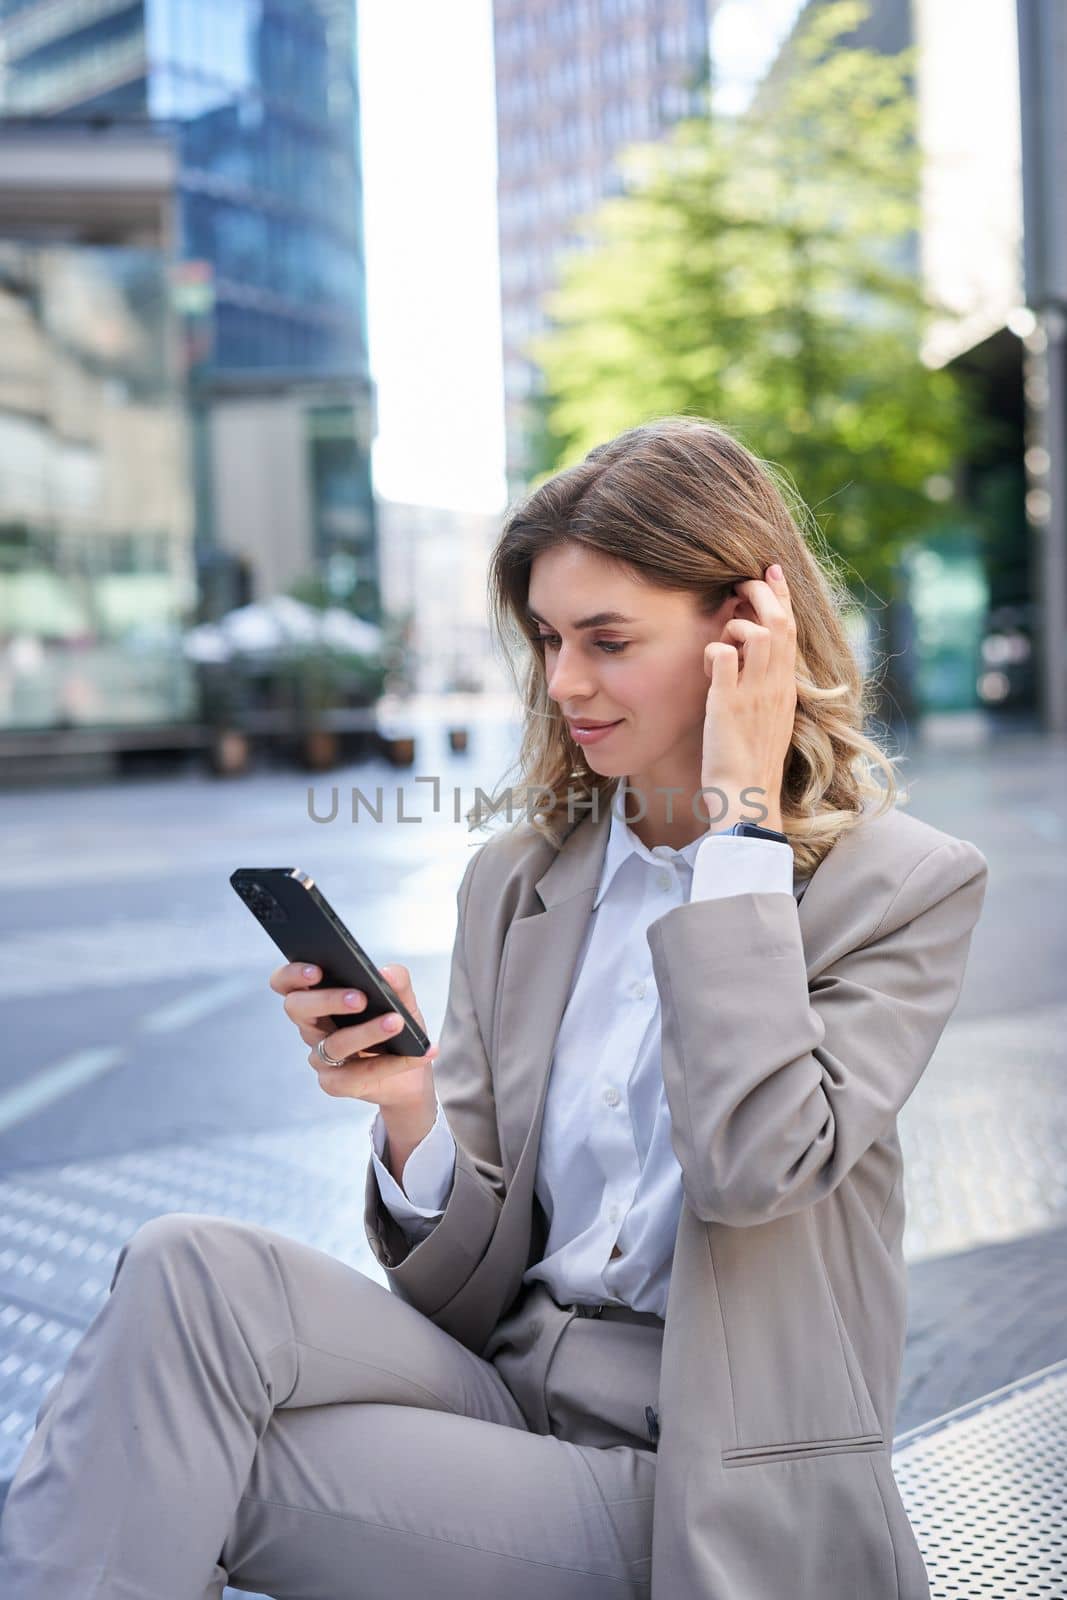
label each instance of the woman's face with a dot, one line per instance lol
(645, 673)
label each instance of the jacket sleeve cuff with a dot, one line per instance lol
(728, 864)
(428, 1172)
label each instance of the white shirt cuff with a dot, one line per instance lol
(728, 863)
(428, 1172)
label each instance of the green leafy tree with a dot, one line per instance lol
(759, 271)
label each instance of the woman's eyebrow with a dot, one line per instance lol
(596, 621)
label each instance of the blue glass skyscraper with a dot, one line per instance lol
(264, 93)
(262, 98)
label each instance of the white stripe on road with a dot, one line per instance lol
(25, 1099)
(199, 1004)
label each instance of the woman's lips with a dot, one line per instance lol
(591, 735)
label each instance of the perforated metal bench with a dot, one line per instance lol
(985, 1487)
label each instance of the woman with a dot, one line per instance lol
(646, 1320)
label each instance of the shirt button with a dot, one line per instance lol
(638, 990)
(611, 1097)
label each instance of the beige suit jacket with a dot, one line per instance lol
(793, 1030)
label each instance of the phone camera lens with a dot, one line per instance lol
(260, 901)
(267, 907)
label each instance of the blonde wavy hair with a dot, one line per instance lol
(689, 508)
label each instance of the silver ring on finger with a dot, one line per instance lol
(330, 1062)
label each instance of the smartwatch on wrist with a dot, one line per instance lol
(752, 830)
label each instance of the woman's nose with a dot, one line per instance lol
(566, 681)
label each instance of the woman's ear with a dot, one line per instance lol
(736, 605)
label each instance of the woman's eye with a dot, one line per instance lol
(611, 647)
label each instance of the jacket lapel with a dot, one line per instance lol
(536, 973)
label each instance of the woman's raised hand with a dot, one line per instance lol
(750, 710)
(384, 1079)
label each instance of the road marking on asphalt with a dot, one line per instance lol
(212, 997)
(26, 1099)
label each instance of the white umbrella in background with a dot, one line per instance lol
(268, 626)
(347, 632)
(205, 643)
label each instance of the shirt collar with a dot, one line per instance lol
(623, 843)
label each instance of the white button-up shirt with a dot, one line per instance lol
(607, 1176)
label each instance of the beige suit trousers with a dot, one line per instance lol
(247, 1409)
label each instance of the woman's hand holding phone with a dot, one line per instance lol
(401, 1085)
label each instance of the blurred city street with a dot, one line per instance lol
(150, 1068)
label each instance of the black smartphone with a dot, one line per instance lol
(306, 928)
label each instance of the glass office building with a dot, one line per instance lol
(96, 570)
(264, 97)
(608, 73)
(97, 573)
(247, 301)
